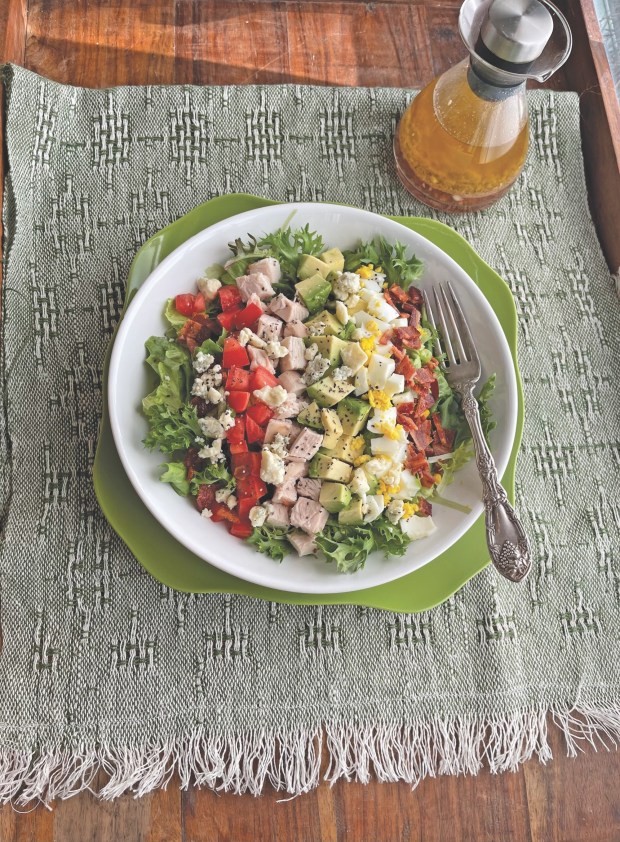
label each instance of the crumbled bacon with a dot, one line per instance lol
(422, 437)
(425, 509)
(415, 461)
(407, 337)
(414, 318)
(202, 407)
(399, 295)
(205, 498)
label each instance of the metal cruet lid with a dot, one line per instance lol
(515, 40)
(517, 31)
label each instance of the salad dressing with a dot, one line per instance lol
(463, 141)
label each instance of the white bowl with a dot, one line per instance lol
(128, 383)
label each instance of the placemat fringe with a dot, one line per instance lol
(244, 763)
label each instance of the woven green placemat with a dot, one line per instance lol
(103, 667)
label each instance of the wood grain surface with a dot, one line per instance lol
(389, 42)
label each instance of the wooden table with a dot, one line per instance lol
(386, 42)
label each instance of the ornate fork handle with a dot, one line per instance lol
(506, 538)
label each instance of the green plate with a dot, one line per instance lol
(174, 565)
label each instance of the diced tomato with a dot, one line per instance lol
(245, 506)
(260, 413)
(234, 354)
(199, 303)
(261, 376)
(251, 487)
(236, 434)
(238, 380)
(241, 447)
(185, 304)
(248, 316)
(435, 389)
(227, 319)
(253, 431)
(230, 297)
(241, 530)
(238, 401)
(246, 464)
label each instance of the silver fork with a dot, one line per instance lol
(506, 538)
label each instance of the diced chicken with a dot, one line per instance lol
(277, 515)
(259, 357)
(269, 267)
(309, 515)
(285, 493)
(295, 328)
(288, 310)
(257, 284)
(292, 382)
(269, 328)
(275, 426)
(309, 487)
(306, 444)
(296, 357)
(304, 544)
(291, 407)
(294, 470)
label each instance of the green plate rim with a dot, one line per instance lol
(175, 566)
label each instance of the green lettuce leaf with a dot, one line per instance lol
(399, 269)
(349, 547)
(270, 540)
(176, 475)
(211, 346)
(173, 424)
(214, 472)
(172, 315)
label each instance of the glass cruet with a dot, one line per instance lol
(463, 141)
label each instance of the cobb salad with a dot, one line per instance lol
(299, 402)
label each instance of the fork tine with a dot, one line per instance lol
(443, 326)
(431, 321)
(464, 331)
(453, 327)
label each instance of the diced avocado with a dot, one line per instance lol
(373, 483)
(309, 266)
(314, 292)
(330, 347)
(311, 416)
(324, 323)
(347, 448)
(353, 514)
(334, 496)
(334, 259)
(328, 392)
(333, 427)
(325, 467)
(353, 413)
